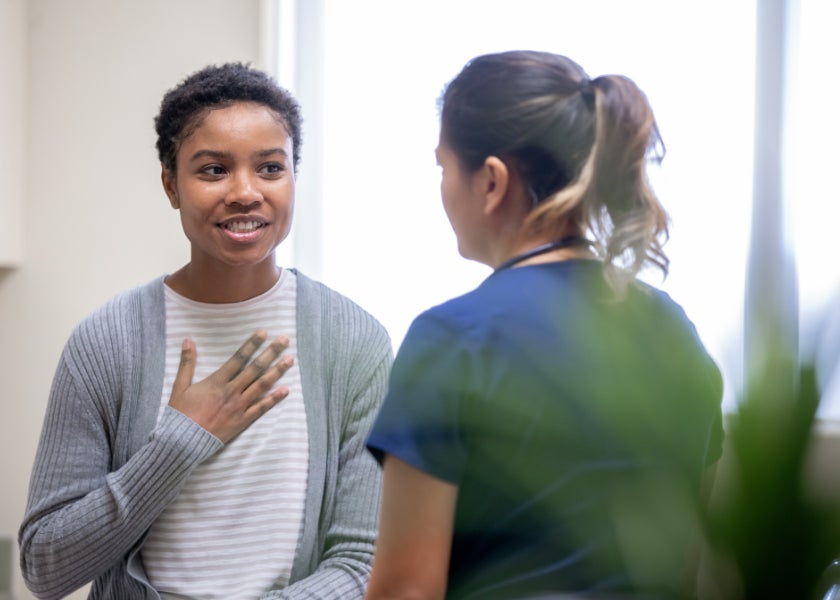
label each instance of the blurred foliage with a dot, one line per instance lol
(769, 536)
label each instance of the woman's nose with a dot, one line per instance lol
(243, 191)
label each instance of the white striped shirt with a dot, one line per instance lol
(233, 529)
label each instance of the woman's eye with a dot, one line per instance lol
(214, 170)
(272, 169)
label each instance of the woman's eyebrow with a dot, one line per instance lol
(220, 154)
(270, 151)
(210, 153)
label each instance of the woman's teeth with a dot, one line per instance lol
(243, 227)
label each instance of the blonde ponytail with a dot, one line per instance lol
(580, 146)
(611, 199)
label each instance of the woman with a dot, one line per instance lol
(546, 434)
(166, 467)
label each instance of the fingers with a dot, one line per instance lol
(236, 363)
(186, 367)
(266, 403)
(265, 369)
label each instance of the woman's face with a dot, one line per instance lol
(234, 186)
(462, 203)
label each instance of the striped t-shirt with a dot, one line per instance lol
(233, 529)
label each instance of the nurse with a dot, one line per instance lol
(547, 434)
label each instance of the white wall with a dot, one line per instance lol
(12, 98)
(95, 220)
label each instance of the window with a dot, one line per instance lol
(812, 194)
(374, 227)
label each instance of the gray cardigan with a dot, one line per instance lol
(105, 470)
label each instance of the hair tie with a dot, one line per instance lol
(587, 90)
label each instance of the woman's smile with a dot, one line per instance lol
(244, 230)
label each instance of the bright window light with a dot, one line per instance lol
(812, 192)
(386, 241)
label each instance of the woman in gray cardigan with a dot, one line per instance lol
(176, 461)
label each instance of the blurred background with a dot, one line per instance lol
(742, 90)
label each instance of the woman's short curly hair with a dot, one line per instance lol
(184, 106)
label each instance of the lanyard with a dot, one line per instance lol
(565, 242)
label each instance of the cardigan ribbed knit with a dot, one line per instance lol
(104, 469)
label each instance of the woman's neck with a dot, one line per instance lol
(544, 250)
(223, 285)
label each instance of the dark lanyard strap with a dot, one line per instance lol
(565, 242)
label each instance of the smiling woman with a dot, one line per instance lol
(165, 419)
(234, 188)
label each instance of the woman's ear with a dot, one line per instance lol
(167, 178)
(495, 182)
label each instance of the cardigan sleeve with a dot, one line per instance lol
(350, 516)
(82, 517)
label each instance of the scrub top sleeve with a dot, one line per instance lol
(419, 421)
